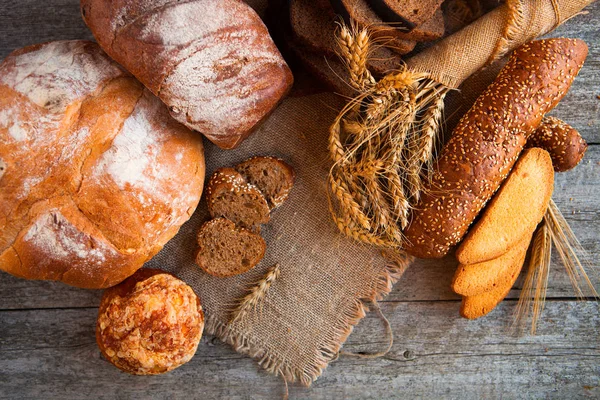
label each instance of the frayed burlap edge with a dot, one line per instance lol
(356, 310)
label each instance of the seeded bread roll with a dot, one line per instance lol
(487, 141)
(211, 61)
(149, 324)
(226, 250)
(272, 176)
(563, 142)
(97, 176)
(229, 195)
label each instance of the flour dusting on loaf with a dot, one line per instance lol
(211, 62)
(75, 73)
(95, 177)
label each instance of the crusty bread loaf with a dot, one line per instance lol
(229, 195)
(272, 176)
(149, 324)
(226, 250)
(514, 212)
(473, 307)
(212, 61)
(97, 176)
(563, 142)
(487, 141)
(314, 25)
(475, 279)
(362, 14)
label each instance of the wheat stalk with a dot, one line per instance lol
(256, 295)
(554, 232)
(380, 143)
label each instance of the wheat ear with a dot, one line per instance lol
(256, 295)
(354, 53)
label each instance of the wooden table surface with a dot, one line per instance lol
(48, 350)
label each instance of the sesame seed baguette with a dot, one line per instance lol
(562, 141)
(487, 141)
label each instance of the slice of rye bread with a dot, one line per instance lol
(475, 279)
(479, 305)
(409, 13)
(229, 195)
(360, 12)
(314, 24)
(272, 176)
(226, 250)
(514, 211)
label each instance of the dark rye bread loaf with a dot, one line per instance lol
(226, 250)
(563, 142)
(314, 25)
(487, 141)
(229, 195)
(406, 13)
(272, 176)
(360, 12)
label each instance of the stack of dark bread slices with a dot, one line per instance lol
(240, 200)
(395, 27)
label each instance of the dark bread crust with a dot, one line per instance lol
(362, 13)
(314, 25)
(406, 13)
(199, 57)
(272, 176)
(487, 141)
(562, 141)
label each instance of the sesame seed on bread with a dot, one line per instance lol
(227, 250)
(229, 195)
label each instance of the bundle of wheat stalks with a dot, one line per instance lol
(382, 143)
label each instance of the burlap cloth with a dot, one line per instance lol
(311, 309)
(326, 280)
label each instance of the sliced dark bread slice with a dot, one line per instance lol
(226, 250)
(409, 13)
(360, 12)
(314, 24)
(272, 176)
(229, 195)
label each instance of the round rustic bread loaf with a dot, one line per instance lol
(149, 324)
(96, 177)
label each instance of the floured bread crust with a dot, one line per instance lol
(149, 324)
(96, 177)
(212, 61)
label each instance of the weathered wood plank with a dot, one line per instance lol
(52, 353)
